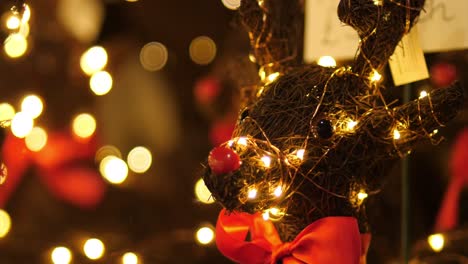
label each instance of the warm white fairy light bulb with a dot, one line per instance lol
(113, 169)
(205, 235)
(278, 191)
(326, 61)
(13, 22)
(26, 14)
(7, 112)
(93, 248)
(300, 153)
(436, 242)
(378, 2)
(139, 159)
(101, 83)
(362, 195)
(5, 223)
(130, 258)
(350, 125)
(36, 139)
(202, 193)
(242, 141)
(32, 105)
(93, 60)
(396, 134)
(272, 77)
(61, 255)
(22, 124)
(15, 45)
(266, 161)
(266, 215)
(252, 193)
(84, 125)
(375, 76)
(422, 94)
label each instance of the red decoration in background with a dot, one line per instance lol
(328, 240)
(223, 160)
(459, 162)
(206, 90)
(221, 131)
(447, 218)
(60, 165)
(443, 74)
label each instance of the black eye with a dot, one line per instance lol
(324, 129)
(244, 114)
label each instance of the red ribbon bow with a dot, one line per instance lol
(60, 165)
(330, 240)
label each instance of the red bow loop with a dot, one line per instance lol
(326, 241)
(61, 165)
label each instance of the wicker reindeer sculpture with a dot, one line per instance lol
(313, 142)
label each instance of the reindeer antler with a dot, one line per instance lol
(380, 25)
(274, 30)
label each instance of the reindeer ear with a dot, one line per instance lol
(380, 24)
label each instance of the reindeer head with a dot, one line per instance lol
(314, 141)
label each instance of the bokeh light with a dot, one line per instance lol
(93, 248)
(202, 50)
(84, 125)
(205, 235)
(231, 4)
(202, 193)
(113, 169)
(101, 83)
(436, 242)
(15, 45)
(5, 223)
(107, 150)
(21, 125)
(7, 112)
(326, 61)
(93, 60)
(32, 105)
(129, 258)
(13, 22)
(24, 30)
(153, 56)
(26, 14)
(37, 139)
(61, 255)
(139, 159)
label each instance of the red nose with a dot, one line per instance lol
(223, 160)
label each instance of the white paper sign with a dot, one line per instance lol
(407, 63)
(443, 27)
